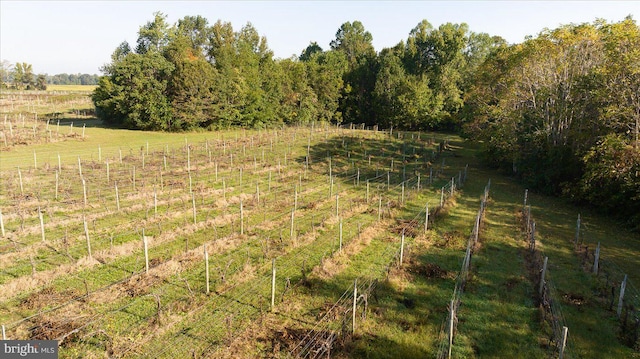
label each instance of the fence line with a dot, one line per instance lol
(448, 332)
(546, 294)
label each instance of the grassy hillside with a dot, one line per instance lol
(235, 194)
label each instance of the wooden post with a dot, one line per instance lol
(117, 197)
(379, 208)
(532, 245)
(206, 266)
(273, 283)
(331, 187)
(79, 167)
(441, 197)
(41, 223)
(146, 252)
(595, 261)
(4, 333)
(293, 213)
(358, 178)
(453, 185)
(337, 207)
(340, 247)
(84, 191)
(108, 174)
(623, 285)
(120, 153)
(563, 345)
(241, 218)
(367, 197)
(526, 195)
(1, 224)
(402, 248)
(426, 218)
(477, 226)
(355, 302)
(20, 180)
(402, 196)
(388, 180)
(544, 270)
(193, 204)
(57, 184)
(35, 161)
(188, 156)
(295, 200)
(86, 234)
(418, 181)
(452, 314)
(99, 154)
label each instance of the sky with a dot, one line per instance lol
(79, 36)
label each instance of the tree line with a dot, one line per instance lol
(195, 75)
(72, 79)
(20, 76)
(560, 110)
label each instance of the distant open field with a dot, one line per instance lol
(142, 244)
(79, 88)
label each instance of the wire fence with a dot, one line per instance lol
(546, 294)
(448, 331)
(615, 288)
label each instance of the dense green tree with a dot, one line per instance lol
(325, 72)
(309, 51)
(191, 85)
(41, 82)
(357, 98)
(154, 35)
(18, 75)
(196, 30)
(134, 95)
(559, 107)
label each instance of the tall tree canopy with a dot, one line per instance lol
(562, 111)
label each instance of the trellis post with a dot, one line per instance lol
(595, 261)
(146, 252)
(206, 266)
(355, 301)
(273, 283)
(623, 285)
(544, 270)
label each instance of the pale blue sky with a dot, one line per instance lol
(79, 36)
